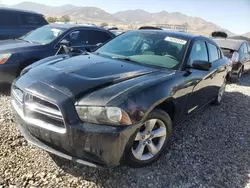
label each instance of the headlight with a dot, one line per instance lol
(4, 58)
(103, 115)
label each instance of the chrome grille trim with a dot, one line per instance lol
(51, 111)
(44, 110)
(15, 92)
(37, 122)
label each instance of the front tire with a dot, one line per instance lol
(150, 140)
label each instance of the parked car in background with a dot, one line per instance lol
(117, 32)
(239, 52)
(16, 54)
(119, 103)
(240, 38)
(15, 23)
(149, 28)
(111, 28)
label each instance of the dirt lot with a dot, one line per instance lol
(211, 149)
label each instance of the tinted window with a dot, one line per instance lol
(87, 37)
(9, 18)
(76, 38)
(30, 19)
(213, 52)
(95, 37)
(199, 52)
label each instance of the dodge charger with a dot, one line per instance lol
(119, 103)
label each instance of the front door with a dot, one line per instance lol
(201, 79)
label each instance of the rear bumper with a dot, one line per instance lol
(87, 144)
(236, 69)
(8, 72)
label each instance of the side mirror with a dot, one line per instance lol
(201, 65)
(65, 42)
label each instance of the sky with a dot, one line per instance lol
(233, 15)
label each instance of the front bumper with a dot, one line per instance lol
(88, 144)
(8, 72)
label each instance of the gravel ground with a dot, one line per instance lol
(211, 149)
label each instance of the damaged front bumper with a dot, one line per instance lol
(89, 144)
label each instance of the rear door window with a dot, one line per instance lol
(9, 18)
(87, 37)
(94, 37)
(213, 52)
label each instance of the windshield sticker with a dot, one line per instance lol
(175, 40)
(56, 32)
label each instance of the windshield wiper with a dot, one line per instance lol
(24, 40)
(124, 59)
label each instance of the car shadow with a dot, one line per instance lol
(211, 149)
(5, 89)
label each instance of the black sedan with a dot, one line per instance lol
(16, 54)
(239, 52)
(119, 103)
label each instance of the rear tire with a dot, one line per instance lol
(218, 99)
(150, 140)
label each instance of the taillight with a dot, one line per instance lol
(235, 57)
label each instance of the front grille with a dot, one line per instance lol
(37, 111)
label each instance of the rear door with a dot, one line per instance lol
(218, 70)
(9, 25)
(87, 38)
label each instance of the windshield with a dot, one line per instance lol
(149, 48)
(43, 35)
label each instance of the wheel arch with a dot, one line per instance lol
(167, 105)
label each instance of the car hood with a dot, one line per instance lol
(13, 45)
(82, 74)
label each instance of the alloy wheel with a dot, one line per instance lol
(221, 92)
(240, 73)
(149, 139)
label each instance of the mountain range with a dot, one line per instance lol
(130, 17)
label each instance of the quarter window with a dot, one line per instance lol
(9, 19)
(213, 52)
(199, 52)
(29, 19)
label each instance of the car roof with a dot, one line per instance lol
(240, 38)
(18, 10)
(232, 44)
(75, 26)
